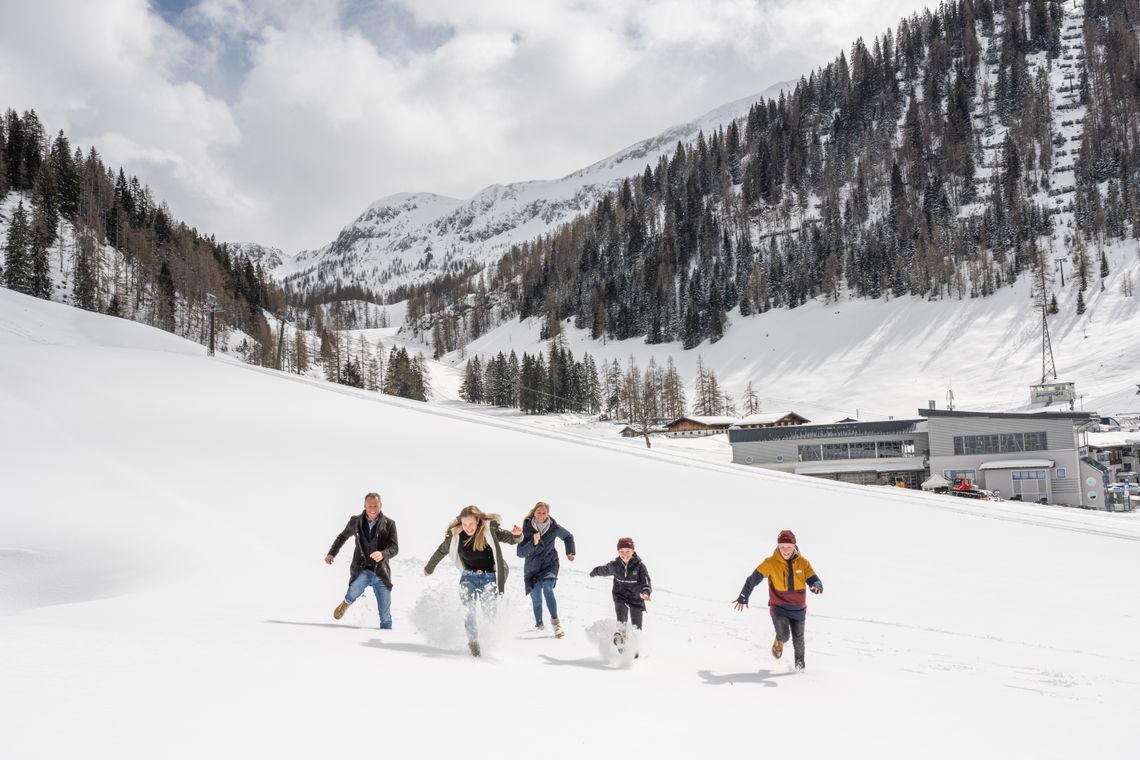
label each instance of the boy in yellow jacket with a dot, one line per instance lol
(789, 576)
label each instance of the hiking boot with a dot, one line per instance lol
(777, 648)
(558, 632)
(619, 641)
(474, 647)
(539, 627)
(799, 664)
(341, 608)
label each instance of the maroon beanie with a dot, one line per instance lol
(625, 543)
(786, 537)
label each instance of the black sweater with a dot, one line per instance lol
(630, 581)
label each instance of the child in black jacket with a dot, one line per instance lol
(631, 590)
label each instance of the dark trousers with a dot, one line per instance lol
(628, 611)
(787, 628)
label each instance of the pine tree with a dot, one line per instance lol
(17, 252)
(1080, 302)
(42, 234)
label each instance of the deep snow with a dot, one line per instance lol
(164, 516)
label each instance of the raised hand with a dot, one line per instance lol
(517, 531)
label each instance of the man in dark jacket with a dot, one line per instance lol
(376, 543)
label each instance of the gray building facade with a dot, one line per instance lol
(1026, 456)
(870, 453)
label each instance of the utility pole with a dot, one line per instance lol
(1059, 263)
(212, 308)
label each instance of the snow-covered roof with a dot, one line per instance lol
(1118, 438)
(830, 469)
(935, 481)
(707, 420)
(1016, 464)
(766, 419)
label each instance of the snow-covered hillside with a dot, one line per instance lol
(415, 237)
(878, 358)
(164, 517)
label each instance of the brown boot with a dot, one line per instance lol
(474, 647)
(777, 648)
(341, 608)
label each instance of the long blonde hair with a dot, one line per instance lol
(479, 540)
(530, 514)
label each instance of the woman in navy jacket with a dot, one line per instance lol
(540, 571)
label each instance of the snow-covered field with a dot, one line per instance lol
(164, 516)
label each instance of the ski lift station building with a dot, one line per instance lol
(1041, 456)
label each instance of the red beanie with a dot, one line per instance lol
(786, 537)
(625, 543)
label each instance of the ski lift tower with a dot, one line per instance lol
(212, 308)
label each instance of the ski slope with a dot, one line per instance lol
(164, 517)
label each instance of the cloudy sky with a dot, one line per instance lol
(279, 121)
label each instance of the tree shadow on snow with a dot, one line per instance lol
(322, 625)
(425, 650)
(762, 677)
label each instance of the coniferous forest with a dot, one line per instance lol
(936, 161)
(105, 241)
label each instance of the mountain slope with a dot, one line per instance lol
(176, 603)
(411, 238)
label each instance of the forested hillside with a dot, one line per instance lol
(75, 230)
(972, 146)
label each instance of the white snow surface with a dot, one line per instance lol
(415, 237)
(164, 518)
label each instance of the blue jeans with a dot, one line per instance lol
(472, 588)
(544, 588)
(383, 595)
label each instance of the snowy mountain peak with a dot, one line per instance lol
(414, 237)
(269, 257)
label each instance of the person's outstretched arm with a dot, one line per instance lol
(340, 539)
(568, 539)
(603, 570)
(813, 581)
(393, 547)
(751, 582)
(442, 551)
(507, 536)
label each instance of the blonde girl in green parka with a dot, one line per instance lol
(473, 541)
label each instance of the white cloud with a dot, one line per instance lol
(278, 121)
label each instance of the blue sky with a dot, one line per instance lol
(278, 121)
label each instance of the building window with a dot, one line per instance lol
(953, 475)
(1060, 473)
(1002, 443)
(863, 450)
(1030, 485)
(836, 451)
(810, 453)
